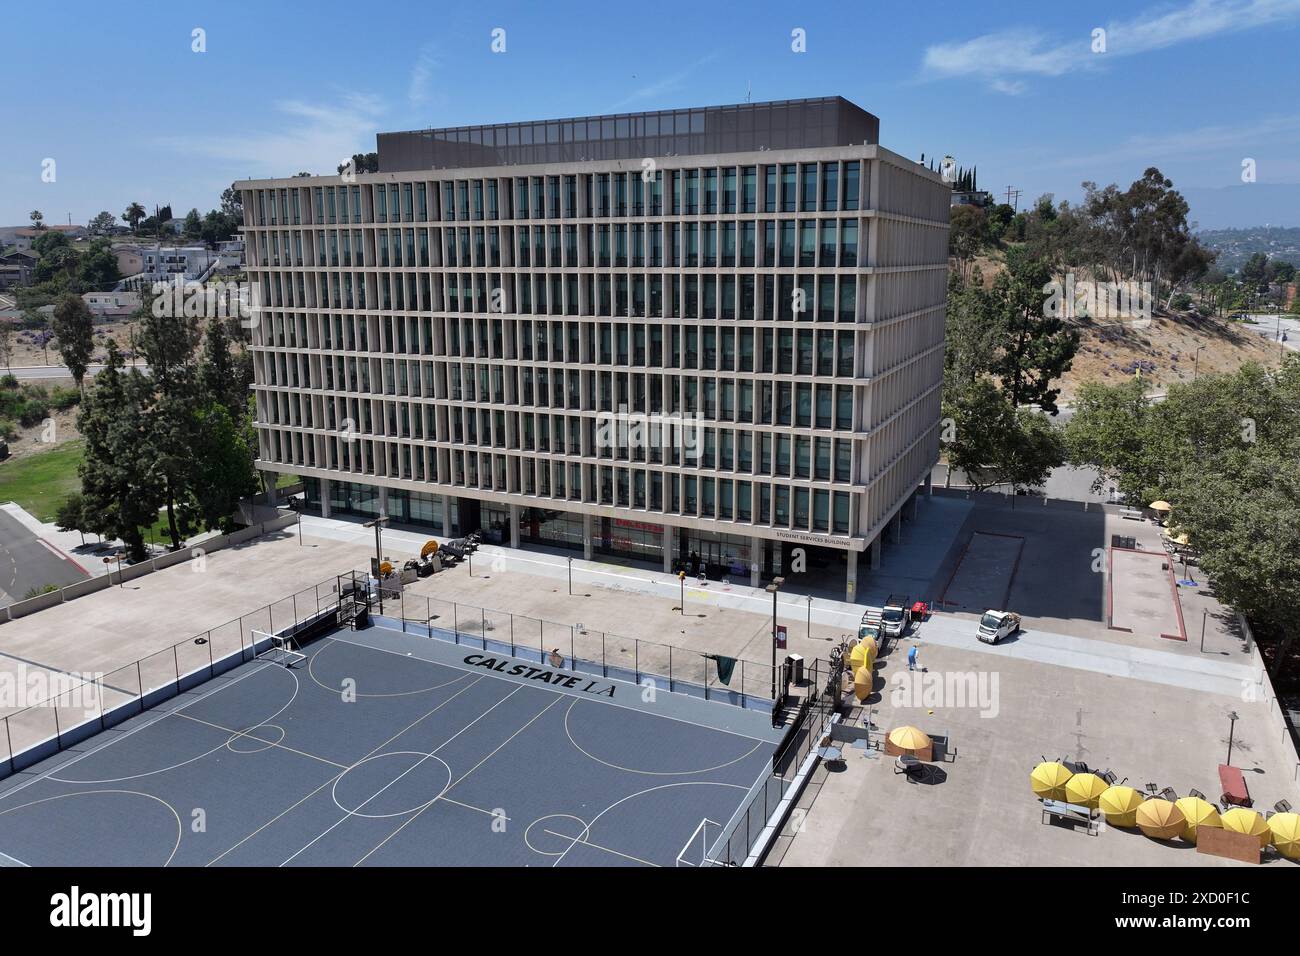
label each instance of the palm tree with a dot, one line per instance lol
(38, 220)
(134, 213)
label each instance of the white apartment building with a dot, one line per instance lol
(711, 335)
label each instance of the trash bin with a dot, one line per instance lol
(794, 667)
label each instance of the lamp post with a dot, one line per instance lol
(1232, 726)
(773, 588)
(570, 576)
(681, 579)
(378, 525)
(1196, 362)
(810, 617)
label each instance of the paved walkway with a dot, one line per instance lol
(1208, 674)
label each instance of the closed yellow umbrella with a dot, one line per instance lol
(863, 654)
(908, 740)
(863, 679)
(1085, 789)
(1048, 780)
(1161, 505)
(1120, 805)
(1160, 819)
(1197, 813)
(1243, 820)
(1284, 834)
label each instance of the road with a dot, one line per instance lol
(33, 373)
(28, 562)
(1271, 326)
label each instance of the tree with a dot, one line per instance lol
(72, 516)
(38, 220)
(362, 163)
(167, 343)
(6, 343)
(102, 224)
(1035, 349)
(993, 442)
(134, 213)
(222, 471)
(193, 228)
(97, 266)
(73, 325)
(118, 480)
(967, 232)
(220, 375)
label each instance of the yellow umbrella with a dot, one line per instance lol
(1085, 789)
(1243, 820)
(908, 740)
(1160, 819)
(1161, 505)
(1120, 805)
(863, 679)
(1181, 539)
(1284, 834)
(1197, 813)
(863, 654)
(1048, 780)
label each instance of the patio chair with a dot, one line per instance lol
(1282, 806)
(1169, 794)
(1195, 793)
(1108, 776)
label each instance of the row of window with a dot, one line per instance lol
(783, 351)
(786, 298)
(817, 243)
(788, 187)
(771, 504)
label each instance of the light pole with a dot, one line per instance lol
(570, 576)
(1232, 726)
(1196, 362)
(810, 617)
(681, 579)
(378, 525)
(772, 589)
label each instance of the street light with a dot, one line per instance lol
(681, 579)
(1232, 716)
(773, 588)
(378, 525)
(570, 575)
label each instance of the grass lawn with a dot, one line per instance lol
(41, 482)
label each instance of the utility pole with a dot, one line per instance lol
(1016, 194)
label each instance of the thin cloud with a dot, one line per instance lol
(421, 79)
(312, 136)
(667, 84)
(1000, 56)
(1235, 142)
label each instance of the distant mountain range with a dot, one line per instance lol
(1245, 206)
(1235, 246)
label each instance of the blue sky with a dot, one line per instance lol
(116, 96)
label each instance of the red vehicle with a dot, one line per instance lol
(920, 610)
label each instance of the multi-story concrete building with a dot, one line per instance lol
(500, 327)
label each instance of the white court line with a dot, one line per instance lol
(334, 778)
(462, 777)
(13, 861)
(122, 735)
(597, 846)
(348, 814)
(610, 703)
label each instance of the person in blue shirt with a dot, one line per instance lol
(911, 658)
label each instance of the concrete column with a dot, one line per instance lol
(896, 526)
(325, 497)
(851, 582)
(383, 501)
(875, 554)
(670, 547)
(514, 526)
(272, 493)
(929, 483)
(755, 562)
(586, 537)
(446, 516)
(915, 501)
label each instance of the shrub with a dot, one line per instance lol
(33, 413)
(8, 429)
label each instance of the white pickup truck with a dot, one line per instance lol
(995, 625)
(892, 618)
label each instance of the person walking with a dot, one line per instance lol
(911, 658)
